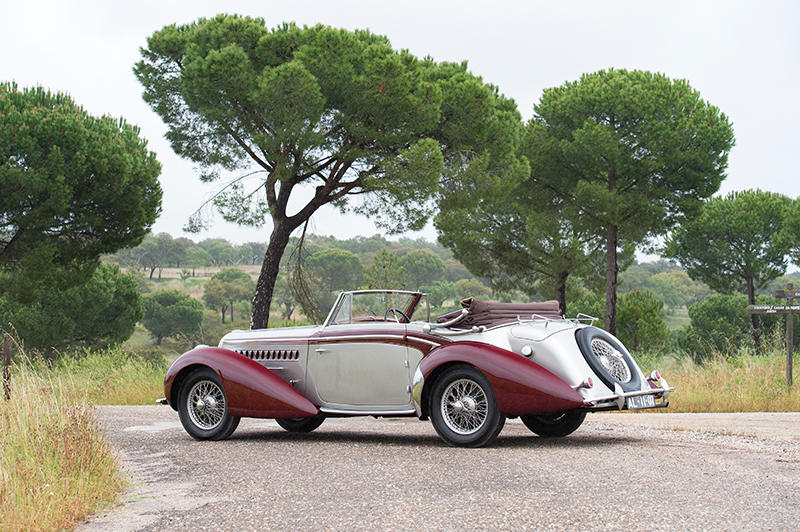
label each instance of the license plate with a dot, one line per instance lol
(641, 401)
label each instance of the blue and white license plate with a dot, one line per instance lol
(641, 401)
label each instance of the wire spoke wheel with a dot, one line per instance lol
(464, 406)
(203, 406)
(611, 359)
(205, 403)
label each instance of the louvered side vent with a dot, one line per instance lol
(270, 354)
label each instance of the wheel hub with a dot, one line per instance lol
(206, 405)
(464, 406)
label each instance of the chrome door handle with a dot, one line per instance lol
(320, 350)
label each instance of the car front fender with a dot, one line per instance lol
(520, 386)
(251, 389)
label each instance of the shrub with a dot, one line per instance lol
(640, 318)
(720, 324)
(640, 322)
(170, 313)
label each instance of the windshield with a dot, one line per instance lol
(375, 306)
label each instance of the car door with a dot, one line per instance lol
(361, 367)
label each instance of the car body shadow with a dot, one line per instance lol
(576, 440)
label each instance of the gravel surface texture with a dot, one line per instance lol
(394, 474)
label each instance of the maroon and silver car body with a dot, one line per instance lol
(370, 357)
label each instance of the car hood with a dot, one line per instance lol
(238, 337)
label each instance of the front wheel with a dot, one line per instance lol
(301, 424)
(463, 408)
(555, 425)
(203, 407)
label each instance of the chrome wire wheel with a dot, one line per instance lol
(464, 406)
(611, 359)
(205, 404)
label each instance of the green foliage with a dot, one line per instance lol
(73, 187)
(440, 292)
(641, 325)
(221, 251)
(335, 109)
(630, 154)
(225, 288)
(422, 267)
(336, 269)
(171, 313)
(471, 288)
(197, 257)
(99, 312)
(385, 271)
(738, 243)
(720, 324)
(676, 288)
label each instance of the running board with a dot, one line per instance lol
(342, 412)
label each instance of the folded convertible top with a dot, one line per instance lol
(491, 313)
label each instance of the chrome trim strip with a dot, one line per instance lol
(326, 410)
(346, 337)
(417, 383)
(290, 340)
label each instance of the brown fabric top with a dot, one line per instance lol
(491, 313)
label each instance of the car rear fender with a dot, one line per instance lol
(520, 386)
(251, 389)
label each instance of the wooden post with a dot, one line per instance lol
(789, 346)
(789, 294)
(7, 366)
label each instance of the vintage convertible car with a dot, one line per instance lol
(467, 371)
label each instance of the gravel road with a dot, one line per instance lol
(362, 473)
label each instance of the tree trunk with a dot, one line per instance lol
(612, 271)
(561, 292)
(152, 270)
(265, 285)
(223, 313)
(158, 339)
(231, 307)
(751, 300)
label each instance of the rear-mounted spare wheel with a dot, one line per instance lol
(608, 358)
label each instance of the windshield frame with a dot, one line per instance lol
(346, 298)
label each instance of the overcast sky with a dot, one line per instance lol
(743, 57)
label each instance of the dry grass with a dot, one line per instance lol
(733, 381)
(747, 383)
(113, 377)
(55, 466)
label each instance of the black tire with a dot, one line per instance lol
(463, 408)
(203, 407)
(555, 425)
(301, 424)
(622, 360)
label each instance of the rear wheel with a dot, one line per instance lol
(463, 408)
(301, 424)
(555, 425)
(203, 407)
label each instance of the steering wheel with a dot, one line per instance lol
(397, 314)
